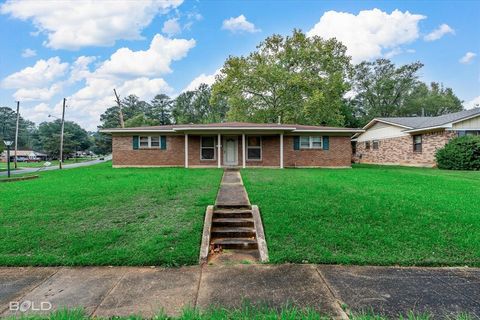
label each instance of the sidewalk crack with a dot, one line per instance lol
(92, 314)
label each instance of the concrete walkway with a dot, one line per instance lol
(232, 192)
(108, 291)
(42, 169)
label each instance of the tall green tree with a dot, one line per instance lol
(197, 106)
(26, 129)
(298, 78)
(160, 109)
(381, 87)
(75, 138)
(433, 100)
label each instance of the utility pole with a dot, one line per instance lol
(16, 134)
(120, 112)
(61, 135)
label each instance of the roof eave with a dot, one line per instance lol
(444, 126)
(368, 125)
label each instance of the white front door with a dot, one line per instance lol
(230, 151)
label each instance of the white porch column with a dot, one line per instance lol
(243, 150)
(219, 155)
(186, 150)
(281, 150)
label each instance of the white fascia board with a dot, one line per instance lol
(368, 125)
(464, 119)
(133, 131)
(331, 130)
(428, 128)
(234, 128)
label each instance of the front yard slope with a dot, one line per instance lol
(369, 215)
(102, 216)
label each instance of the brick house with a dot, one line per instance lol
(232, 144)
(412, 140)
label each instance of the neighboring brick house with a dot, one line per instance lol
(241, 145)
(412, 140)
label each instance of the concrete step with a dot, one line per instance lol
(232, 222)
(232, 213)
(235, 232)
(235, 243)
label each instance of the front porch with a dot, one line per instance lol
(227, 150)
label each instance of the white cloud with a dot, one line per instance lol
(37, 94)
(171, 27)
(79, 69)
(130, 72)
(76, 24)
(203, 78)
(154, 61)
(370, 32)
(467, 58)
(27, 53)
(39, 75)
(239, 24)
(436, 34)
(474, 103)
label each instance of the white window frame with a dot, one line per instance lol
(310, 142)
(254, 147)
(149, 142)
(214, 148)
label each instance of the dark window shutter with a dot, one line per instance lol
(296, 143)
(326, 143)
(135, 142)
(163, 142)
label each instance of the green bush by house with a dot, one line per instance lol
(462, 153)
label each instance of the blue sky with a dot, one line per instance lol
(55, 49)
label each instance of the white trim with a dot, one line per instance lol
(186, 150)
(243, 151)
(233, 128)
(427, 128)
(256, 147)
(281, 150)
(467, 118)
(387, 122)
(459, 129)
(330, 130)
(146, 130)
(219, 145)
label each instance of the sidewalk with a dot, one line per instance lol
(108, 291)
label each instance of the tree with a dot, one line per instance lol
(381, 88)
(430, 101)
(75, 138)
(26, 129)
(160, 109)
(298, 78)
(197, 106)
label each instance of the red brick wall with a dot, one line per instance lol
(124, 155)
(400, 150)
(338, 155)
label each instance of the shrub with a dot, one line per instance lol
(462, 153)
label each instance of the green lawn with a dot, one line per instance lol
(102, 216)
(369, 215)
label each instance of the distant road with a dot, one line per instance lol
(66, 166)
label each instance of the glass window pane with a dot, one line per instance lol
(254, 141)
(254, 153)
(143, 141)
(208, 153)
(316, 142)
(418, 139)
(208, 142)
(304, 142)
(155, 142)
